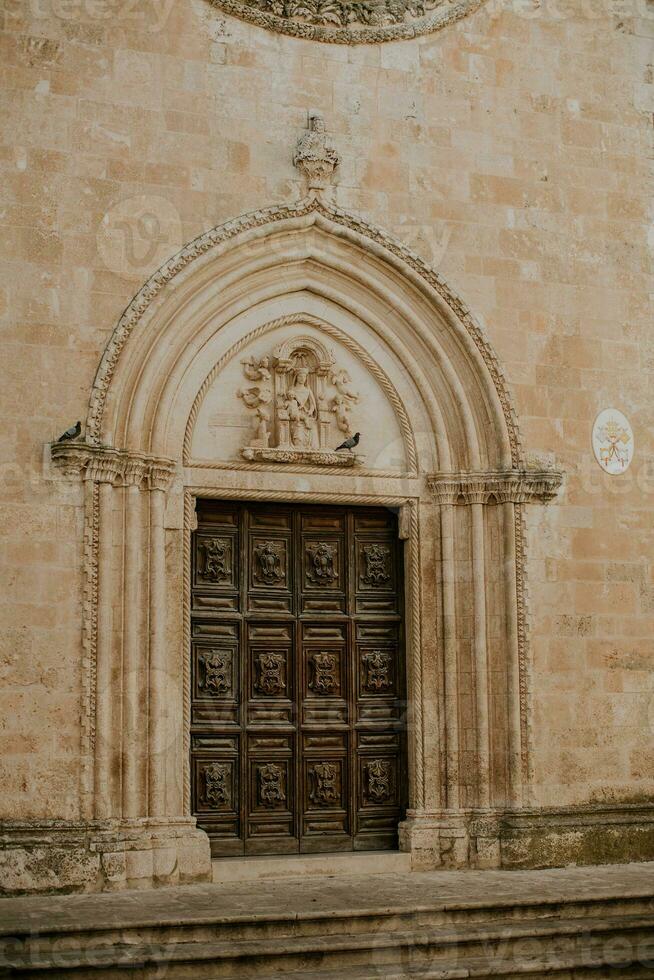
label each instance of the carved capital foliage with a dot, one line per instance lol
(504, 486)
(101, 464)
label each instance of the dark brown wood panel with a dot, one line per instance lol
(298, 711)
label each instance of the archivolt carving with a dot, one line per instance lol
(258, 219)
(341, 380)
(349, 21)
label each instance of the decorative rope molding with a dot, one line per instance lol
(101, 464)
(415, 642)
(350, 21)
(331, 331)
(190, 521)
(241, 466)
(270, 216)
(526, 705)
(508, 486)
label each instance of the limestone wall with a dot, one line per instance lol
(509, 150)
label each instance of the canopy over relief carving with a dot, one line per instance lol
(350, 21)
(301, 403)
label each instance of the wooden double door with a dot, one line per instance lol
(297, 678)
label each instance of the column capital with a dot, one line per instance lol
(519, 486)
(119, 467)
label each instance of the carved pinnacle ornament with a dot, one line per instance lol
(315, 157)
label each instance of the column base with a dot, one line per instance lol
(450, 839)
(66, 856)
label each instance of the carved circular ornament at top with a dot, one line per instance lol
(350, 21)
(613, 441)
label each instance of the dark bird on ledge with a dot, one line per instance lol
(71, 433)
(349, 443)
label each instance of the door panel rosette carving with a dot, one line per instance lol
(322, 564)
(377, 672)
(271, 786)
(302, 403)
(324, 673)
(375, 566)
(324, 784)
(271, 673)
(215, 674)
(216, 563)
(215, 785)
(378, 781)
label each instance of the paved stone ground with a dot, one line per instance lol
(300, 897)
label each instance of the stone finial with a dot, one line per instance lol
(314, 156)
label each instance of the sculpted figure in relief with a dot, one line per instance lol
(259, 397)
(302, 410)
(299, 394)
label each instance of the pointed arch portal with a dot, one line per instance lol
(440, 446)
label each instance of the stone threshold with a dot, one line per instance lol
(273, 867)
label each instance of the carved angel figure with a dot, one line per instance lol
(258, 396)
(342, 402)
(262, 393)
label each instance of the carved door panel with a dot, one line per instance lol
(297, 678)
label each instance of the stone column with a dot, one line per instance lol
(476, 499)
(159, 480)
(102, 471)
(513, 654)
(134, 663)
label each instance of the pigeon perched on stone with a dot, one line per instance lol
(349, 443)
(71, 433)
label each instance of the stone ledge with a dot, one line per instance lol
(62, 856)
(530, 838)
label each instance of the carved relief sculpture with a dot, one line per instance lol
(271, 673)
(216, 788)
(349, 21)
(271, 785)
(216, 672)
(297, 404)
(322, 569)
(216, 560)
(269, 570)
(377, 667)
(315, 157)
(325, 789)
(377, 564)
(324, 678)
(378, 786)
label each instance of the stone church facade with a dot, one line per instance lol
(235, 235)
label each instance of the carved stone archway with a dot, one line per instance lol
(458, 478)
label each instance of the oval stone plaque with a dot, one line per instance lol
(613, 441)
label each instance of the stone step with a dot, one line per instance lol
(505, 945)
(205, 926)
(254, 868)
(563, 967)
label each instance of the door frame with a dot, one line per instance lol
(408, 531)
